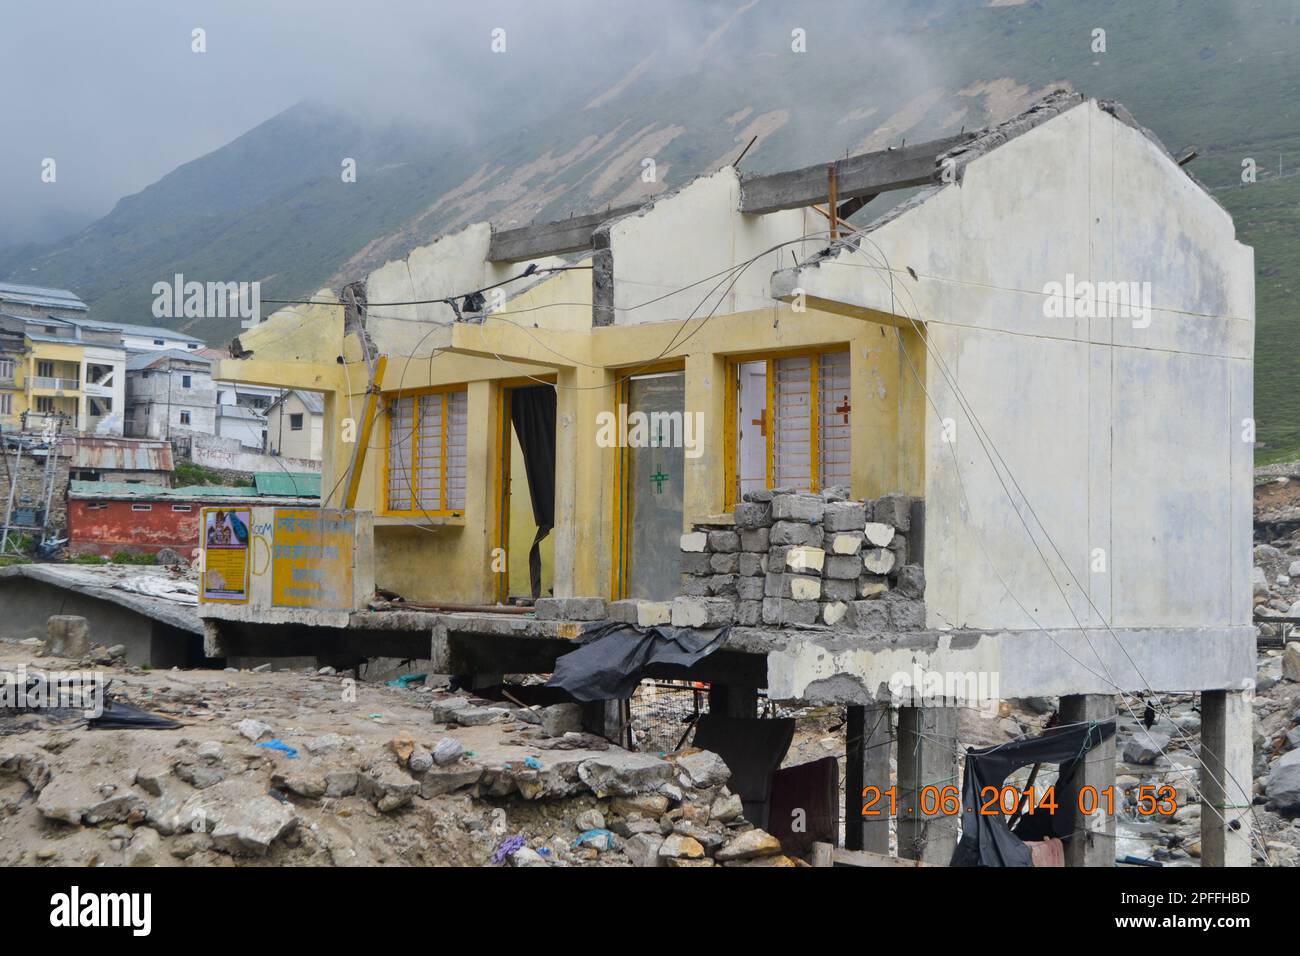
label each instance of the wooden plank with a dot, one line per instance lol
(842, 857)
(862, 175)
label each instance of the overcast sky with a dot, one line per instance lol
(114, 94)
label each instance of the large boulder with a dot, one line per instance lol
(620, 773)
(1283, 783)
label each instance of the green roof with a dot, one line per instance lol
(287, 484)
(134, 490)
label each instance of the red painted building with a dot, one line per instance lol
(107, 517)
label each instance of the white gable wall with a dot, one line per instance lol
(1126, 441)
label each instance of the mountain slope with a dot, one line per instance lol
(272, 206)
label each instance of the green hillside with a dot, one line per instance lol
(1223, 76)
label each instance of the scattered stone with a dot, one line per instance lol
(726, 808)
(589, 820)
(67, 635)
(1145, 746)
(560, 719)
(678, 846)
(1283, 783)
(1291, 661)
(324, 743)
(646, 805)
(145, 848)
(643, 849)
(254, 730)
(210, 750)
(748, 845)
(403, 745)
(620, 773)
(704, 768)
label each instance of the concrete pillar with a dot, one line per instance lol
(604, 718)
(927, 757)
(1093, 839)
(869, 743)
(1227, 741)
(583, 481)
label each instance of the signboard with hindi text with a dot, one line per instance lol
(311, 558)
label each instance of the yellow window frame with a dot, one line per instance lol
(730, 448)
(416, 394)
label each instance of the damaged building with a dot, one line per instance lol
(1002, 429)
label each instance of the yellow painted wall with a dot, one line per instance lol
(449, 559)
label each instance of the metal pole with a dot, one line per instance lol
(13, 488)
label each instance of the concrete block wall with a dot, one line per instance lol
(788, 558)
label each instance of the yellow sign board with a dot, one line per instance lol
(311, 558)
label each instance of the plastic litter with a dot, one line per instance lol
(276, 743)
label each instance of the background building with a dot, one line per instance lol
(169, 394)
(295, 425)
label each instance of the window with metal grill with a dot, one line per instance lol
(427, 438)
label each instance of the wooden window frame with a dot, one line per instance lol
(415, 395)
(731, 448)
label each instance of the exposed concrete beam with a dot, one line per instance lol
(550, 238)
(866, 174)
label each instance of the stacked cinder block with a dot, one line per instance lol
(804, 559)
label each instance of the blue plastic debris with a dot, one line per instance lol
(406, 680)
(277, 744)
(532, 763)
(594, 836)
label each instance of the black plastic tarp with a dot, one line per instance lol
(532, 411)
(985, 838)
(120, 716)
(753, 749)
(614, 656)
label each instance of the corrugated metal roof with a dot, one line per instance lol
(149, 331)
(41, 297)
(314, 401)
(303, 484)
(121, 454)
(208, 494)
(123, 489)
(136, 361)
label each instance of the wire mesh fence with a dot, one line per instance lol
(663, 713)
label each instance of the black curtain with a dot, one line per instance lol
(532, 412)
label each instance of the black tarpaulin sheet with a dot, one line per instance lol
(752, 749)
(985, 838)
(119, 716)
(614, 655)
(532, 411)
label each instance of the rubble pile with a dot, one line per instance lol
(788, 558)
(310, 768)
